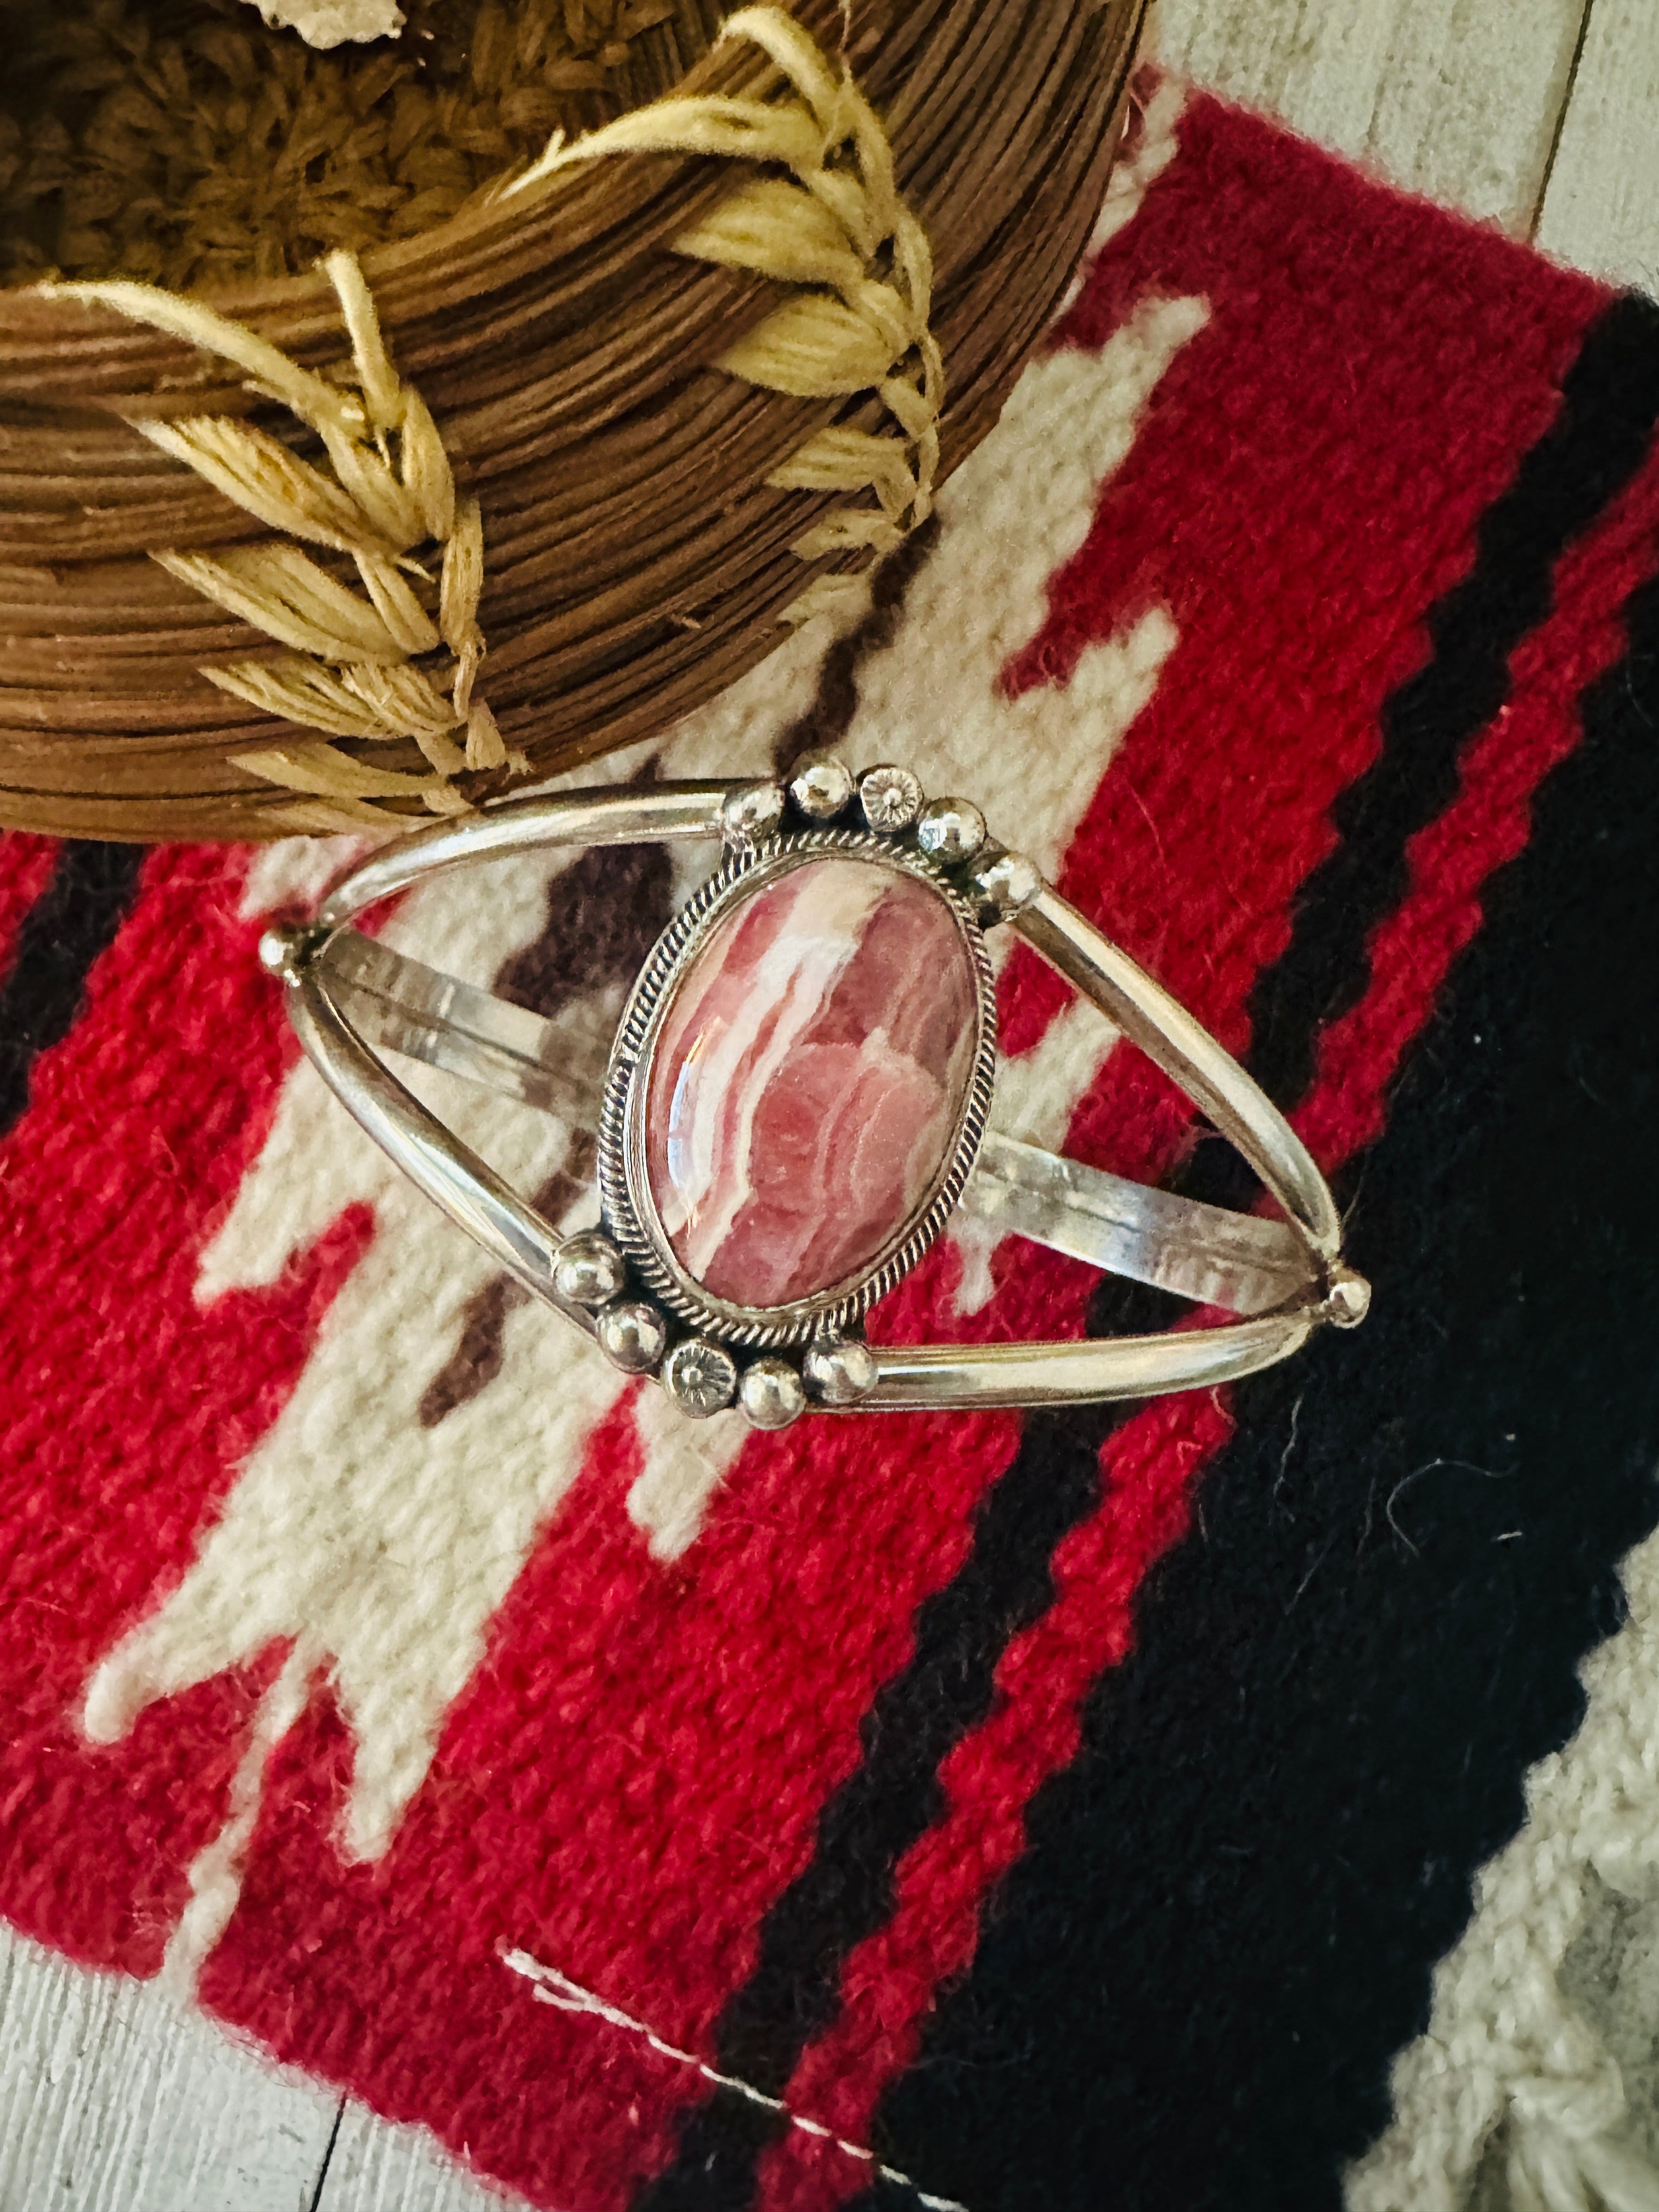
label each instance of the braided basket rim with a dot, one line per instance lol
(582, 658)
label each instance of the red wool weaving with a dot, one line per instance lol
(994, 1812)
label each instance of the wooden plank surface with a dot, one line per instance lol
(374, 2168)
(1458, 99)
(1541, 115)
(114, 2099)
(1601, 207)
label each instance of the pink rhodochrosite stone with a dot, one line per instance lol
(808, 1080)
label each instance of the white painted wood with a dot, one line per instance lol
(114, 2099)
(1457, 98)
(1601, 209)
(377, 2168)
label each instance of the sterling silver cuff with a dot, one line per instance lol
(800, 1093)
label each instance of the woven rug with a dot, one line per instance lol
(1230, 1801)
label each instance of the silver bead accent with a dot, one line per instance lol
(288, 953)
(890, 798)
(1007, 881)
(771, 1394)
(701, 1377)
(633, 1336)
(840, 1370)
(1347, 1297)
(950, 829)
(822, 787)
(752, 813)
(589, 1270)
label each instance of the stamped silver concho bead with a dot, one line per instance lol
(890, 798)
(702, 1378)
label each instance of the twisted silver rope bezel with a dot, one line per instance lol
(630, 1211)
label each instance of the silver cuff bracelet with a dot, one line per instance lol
(801, 1092)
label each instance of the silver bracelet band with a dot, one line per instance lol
(352, 999)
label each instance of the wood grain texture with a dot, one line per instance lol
(114, 2099)
(1601, 207)
(376, 2168)
(1457, 98)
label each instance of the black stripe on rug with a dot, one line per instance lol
(894, 1795)
(72, 922)
(845, 1894)
(1609, 403)
(1190, 1992)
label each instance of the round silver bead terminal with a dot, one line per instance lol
(771, 1394)
(822, 787)
(633, 1336)
(701, 1377)
(890, 798)
(1347, 1297)
(752, 813)
(287, 952)
(589, 1270)
(1007, 881)
(840, 1370)
(950, 829)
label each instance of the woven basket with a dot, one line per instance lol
(635, 558)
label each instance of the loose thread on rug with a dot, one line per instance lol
(551, 1987)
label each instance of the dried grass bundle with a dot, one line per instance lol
(652, 434)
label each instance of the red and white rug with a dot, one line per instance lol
(1064, 1812)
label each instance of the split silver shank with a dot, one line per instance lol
(350, 998)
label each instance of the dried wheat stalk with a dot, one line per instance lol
(639, 501)
(374, 666)
(836, 230)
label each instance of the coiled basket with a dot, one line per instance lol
(643, 519)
